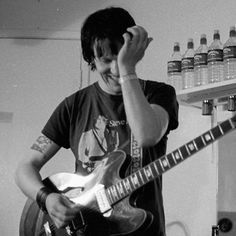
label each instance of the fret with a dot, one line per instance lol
(153, 169)
(162, 167)
(171, 159)
(127, 185)
(184, 152)
(222, 132)
(174, 158)
(114, 192)
(210, 131)
(194, 142)
(135, 180)
(232, 122)
(110, 195)
(165, 163)
(186, 146)
(120, 189)
(226, 126)
(191, 147)
(177, 156)
(148, 172)
(207, 138)
(158, 167)
(168, 163)
(143, 176)
(140, 178)
(199, 143)
(216, 132)
(117, 192)
(155, 166)
(203, 140)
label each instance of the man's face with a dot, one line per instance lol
(106, 65)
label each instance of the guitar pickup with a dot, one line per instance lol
(102, 200)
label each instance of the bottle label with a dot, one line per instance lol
(187, 63)
(173, 66)
(200, 59)
(215, 55)
(230, 52)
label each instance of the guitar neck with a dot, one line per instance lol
(151, 171)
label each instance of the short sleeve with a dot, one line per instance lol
(164, 95)
(58, 126)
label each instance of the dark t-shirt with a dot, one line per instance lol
(93, 124)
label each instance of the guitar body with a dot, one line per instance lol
(121, 219)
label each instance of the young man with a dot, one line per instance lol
(117, 112)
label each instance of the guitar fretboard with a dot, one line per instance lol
(151, 171)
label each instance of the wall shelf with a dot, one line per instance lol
(219, 91)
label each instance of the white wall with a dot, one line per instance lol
(190, 188)
(36, 74)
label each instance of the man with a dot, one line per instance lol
(119, 111)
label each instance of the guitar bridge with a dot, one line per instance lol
(102, 200)
(77, 224)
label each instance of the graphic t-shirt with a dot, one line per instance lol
(92, 123)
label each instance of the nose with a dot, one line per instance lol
(114, 67)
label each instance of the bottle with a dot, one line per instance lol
(187, 66)
(200, 63)
(174, 68)
(229, 52)
(215, 59)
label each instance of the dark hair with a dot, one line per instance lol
(109, 23)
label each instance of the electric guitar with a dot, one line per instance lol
(105, 198)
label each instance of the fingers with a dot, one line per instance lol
(63, 217)
(136, 41)
(139, 37)
(62, 210)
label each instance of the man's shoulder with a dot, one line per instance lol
(156, 85)
(86, 91)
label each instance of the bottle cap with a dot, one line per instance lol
(203, 39)
(232, 32)
(176, 47)
(216, 34)
(190, 43)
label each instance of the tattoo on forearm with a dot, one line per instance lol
(41, 144)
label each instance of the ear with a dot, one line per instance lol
(92, 66)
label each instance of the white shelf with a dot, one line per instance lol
(219, 91)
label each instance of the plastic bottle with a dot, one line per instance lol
(229, 52)
(174, 68)
(215, 59)
(187, 66)
(200, 63)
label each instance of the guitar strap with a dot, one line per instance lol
(136, 152)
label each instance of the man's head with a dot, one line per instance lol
(109, 23)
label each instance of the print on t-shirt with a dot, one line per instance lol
(97, 142)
